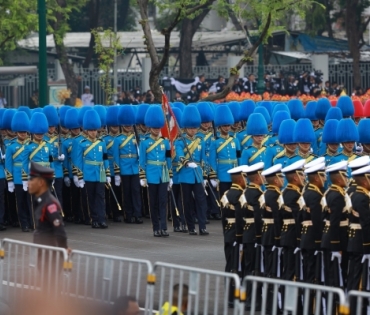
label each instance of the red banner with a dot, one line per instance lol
(169, 130)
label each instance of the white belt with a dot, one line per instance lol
(230, 220)
(288, 221)
(248, 220)
(342, 223)
(307, 223)
(355, 226)
(268, 221)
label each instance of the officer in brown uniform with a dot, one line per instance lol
(48, 214)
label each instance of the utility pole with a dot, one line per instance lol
(43, 76)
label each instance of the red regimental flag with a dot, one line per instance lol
(169, 130)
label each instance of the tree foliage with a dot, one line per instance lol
(17, 19)
(106, 58)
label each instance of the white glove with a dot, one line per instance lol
(296, 250)
(11, 187)
(117, 180)
(364, 258)
(61, 157)
(214, 183)
(192, 165)
(25, 185)
(75, 180)
(109, 179)
(81, 183)
(67, 181)
(336, 255)
(359, 149)
(3, 156)
(205, 183)
(143, 183)
(170, 184)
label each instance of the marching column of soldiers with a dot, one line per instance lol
(290, 183)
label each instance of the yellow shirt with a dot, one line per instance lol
(165, 308)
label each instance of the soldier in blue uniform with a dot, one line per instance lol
(66, 190)
(143, 133)
(109, 139)
(224, 152)
(310, 113)
(235, 110)
(333, 113)
(178, 219)
(37, 150)
(364, 136)
(155, 169)
(257, 128)
(126, 159)
(246, 109)
(286, 134)
(304, 136)
(9, 137)
(205, 132)
(52, 137)
(15, 174)
(191, 153)
(93, 168)
(4, 213)
(347, 135)
(330, 141)
(71, 122)
(273, 145)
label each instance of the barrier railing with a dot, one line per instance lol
(356, 301)
(21, 264)
(103, 278)
(208, 291)
(309, 296)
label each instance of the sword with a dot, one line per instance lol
(56, 196)
(114, 195)
(174, 202)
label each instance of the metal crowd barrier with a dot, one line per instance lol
(316, 297)
(103, 278)
(27, 266)
(208, 290)
(357, 298)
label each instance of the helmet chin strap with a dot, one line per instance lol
(344, 178)
(321, 179)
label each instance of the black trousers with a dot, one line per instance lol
(309, 265)
(212, 207)
(331, 270)
(23, 206)
(11, 214)
(108, 209)
(158, 205)
(223, 186)
(178, 219)
(187, 192)
(85, 204)
(131, 195)
(96, 200)
(67, 200)
(2, 200)
(355, 272)
(76, 203)
(144, 201)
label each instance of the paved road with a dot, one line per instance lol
(137, 241)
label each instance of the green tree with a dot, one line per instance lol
(17, 19)
(106, 43)
(183, 9)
